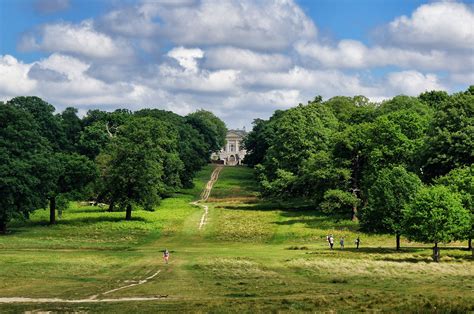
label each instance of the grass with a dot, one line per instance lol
(252, 256)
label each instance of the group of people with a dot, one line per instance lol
(330, 240)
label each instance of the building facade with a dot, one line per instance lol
(233, 153)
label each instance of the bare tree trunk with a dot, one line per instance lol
(469, 244)
(398, 241)
(52, 210)
(128, 216)
(3, 227)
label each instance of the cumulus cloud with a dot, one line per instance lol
(413, 83)
(241, 59)
(14, 78)
(265, 25)
(80, 39)
(352, 54)
(237, 58)
(187, 58)
(434, 25)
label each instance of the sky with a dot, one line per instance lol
(241, 59)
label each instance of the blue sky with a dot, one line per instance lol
(242, 59)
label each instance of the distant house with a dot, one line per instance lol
(233, 152)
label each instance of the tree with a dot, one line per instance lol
(257, 142)
(71, 173)
(136, 164)
(391, 191)
(211, 127)
(72, 127)
(461, 180)
(435, 215)
(22, 152)
(450, 142)
(49, 125)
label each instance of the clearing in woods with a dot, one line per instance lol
(248, 255)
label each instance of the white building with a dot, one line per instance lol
(233, 152)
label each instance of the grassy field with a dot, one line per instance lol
(251, 256)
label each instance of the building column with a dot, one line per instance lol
(236, 146)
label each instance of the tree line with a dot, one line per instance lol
(403, 166)
(121, 158)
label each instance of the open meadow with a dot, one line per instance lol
(251, 256)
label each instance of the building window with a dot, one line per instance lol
(231, 147)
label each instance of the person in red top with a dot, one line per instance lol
(166, 255)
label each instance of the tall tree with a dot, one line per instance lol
(72, 173)
(391, 191)
(461, 180)
(23, 151)
(450, 142)
(136, 164)
(436, 215)
(211, 127)
(72, 126)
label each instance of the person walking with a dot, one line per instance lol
(342, 243)
(357, 242)
(331, 241)
(166, 255)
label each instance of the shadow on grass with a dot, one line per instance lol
(73, 222)
(88, 210)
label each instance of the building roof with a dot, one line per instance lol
(241, 133)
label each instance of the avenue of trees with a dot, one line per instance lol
(403, 166)
(120, 158)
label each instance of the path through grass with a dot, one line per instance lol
(251, 256)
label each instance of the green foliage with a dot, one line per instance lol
(450, 142)
(461, 180)
(136, 171)
(436, 215)
(23, 154)
(389, 193)
(211, 127)
(338, 202)
(49, 125)
(72, 126)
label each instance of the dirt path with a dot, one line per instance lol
(91, 299)
(205, 195)
(95, 298)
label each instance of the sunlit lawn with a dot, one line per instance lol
(251, 256)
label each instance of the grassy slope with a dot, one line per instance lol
(250, 256)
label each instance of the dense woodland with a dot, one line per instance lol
(121, 158)
(403, 166)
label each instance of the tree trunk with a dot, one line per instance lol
(436, 256)
(3, 227)
(469, 244)
(111, 206)
(354, 213)
(128, 216)
(355, 184)
(398, 241)
(52, 210)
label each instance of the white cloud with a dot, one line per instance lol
(186, 57)
(413, 83)
(14, 80)
(241, 59)
(352, 54)
(80, 39)
(250, 24)
(434, 25)
(236, 58)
